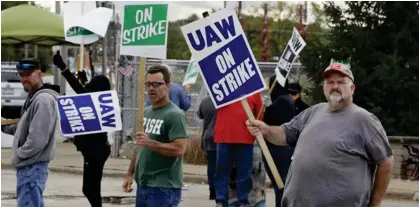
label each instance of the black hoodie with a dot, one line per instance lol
(282, 109)
(90, 142)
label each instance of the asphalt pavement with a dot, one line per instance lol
(64, 190)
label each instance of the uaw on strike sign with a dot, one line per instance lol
(89, 113)
(294, 47)
(224, 57)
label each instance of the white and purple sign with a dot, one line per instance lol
(224, 57)
(295, 45)
(89, 113)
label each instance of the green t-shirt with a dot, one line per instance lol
(153, 169)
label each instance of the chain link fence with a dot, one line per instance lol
(127, 93)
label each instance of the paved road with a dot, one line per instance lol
(63, 189)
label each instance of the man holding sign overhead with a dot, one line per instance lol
(157, 166)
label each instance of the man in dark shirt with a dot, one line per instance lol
(281, 110)
(294, 90)
(208, 113)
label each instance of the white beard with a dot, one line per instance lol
(335, 98)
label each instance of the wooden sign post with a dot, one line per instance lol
(257, 80)
(264, 147)
(140, 93)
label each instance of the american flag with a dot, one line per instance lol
(126, 68)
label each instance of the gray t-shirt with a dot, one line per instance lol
(335, 157)
(208, 113)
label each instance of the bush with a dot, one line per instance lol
(194, 153)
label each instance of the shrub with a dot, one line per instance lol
(194, 153)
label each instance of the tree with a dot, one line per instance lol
(382, 39)
(8, 4)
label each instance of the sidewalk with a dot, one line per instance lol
(68, 160)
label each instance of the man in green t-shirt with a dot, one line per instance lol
(157, 164)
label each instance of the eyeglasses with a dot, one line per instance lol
(154, 84)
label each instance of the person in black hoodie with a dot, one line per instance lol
(281, 110)
(295, 92)
(95, 148)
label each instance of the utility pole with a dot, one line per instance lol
(264, 36)
(225, 4)
(55, 72)
(64, 55)
(302, 18)
(239, 14)
(105, 47)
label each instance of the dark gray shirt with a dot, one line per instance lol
(335, 157)
(208, 113)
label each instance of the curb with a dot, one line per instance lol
(187, 178)
(200, 179)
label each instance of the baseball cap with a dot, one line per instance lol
(28, 64)
(343, 68)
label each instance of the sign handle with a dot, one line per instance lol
(9, 121)
(264, 148)
(81, 46)
(140, 93)
(81, 56)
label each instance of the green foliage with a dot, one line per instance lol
(282, 18)
(382, 39)
(8, 4)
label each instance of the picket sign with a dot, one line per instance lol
(294, 46)
(84, 23)
(89, 113)
(144, 34)
(227, 65)
(191, 74)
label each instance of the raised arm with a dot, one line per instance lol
(73, 82)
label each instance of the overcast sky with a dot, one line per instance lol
(183, 9)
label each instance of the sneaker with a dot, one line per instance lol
(219, 205)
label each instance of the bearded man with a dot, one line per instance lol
(342, 155)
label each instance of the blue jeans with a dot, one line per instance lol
(158, 197)
(31, 184)
(260, 204)
(281, 156)
(241, 156)
(212, 158)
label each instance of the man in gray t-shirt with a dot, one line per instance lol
(342, 155)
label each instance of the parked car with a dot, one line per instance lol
(12, 94)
